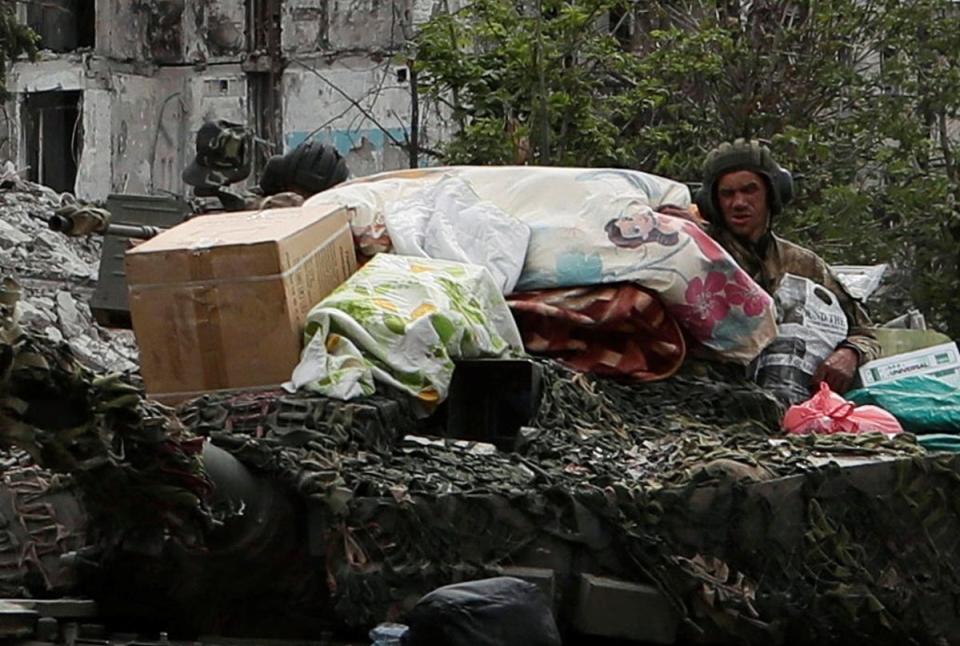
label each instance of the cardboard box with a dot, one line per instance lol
(940, 361)
(218, 302)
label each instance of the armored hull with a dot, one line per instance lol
(663, 513)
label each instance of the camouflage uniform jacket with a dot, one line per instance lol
(771, 257)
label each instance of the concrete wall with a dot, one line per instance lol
(135, 120)
(95, 168)
(214, 30)
(353, 25)
(155, 121)
(165, 20)
(171, 31)
(118, 112)
(304, 26)
(121, 30)
(162, 67)
(218, 92)
(360, 25)
(316, 99)
(139, 129)
(60, 73)
(66, 73)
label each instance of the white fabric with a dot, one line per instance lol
(448, 221)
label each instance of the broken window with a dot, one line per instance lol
(53, 138)
(63, 25)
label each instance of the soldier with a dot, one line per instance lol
(224, 156)
(743, 189)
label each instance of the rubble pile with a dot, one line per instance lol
(56, 274)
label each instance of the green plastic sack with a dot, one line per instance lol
(922, 404)
(940, 442)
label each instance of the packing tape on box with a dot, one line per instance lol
(233, 280)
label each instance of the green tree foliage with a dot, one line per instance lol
(15, 39)
(859, 98)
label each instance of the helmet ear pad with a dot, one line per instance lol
(782, 181)
(704, 203)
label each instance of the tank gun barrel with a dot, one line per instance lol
(69, 225)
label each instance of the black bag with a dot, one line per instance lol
(502, 611)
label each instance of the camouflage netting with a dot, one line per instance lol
(139, 470)
(685, 484)
(667, 483)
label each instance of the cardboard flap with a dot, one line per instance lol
(247, 243)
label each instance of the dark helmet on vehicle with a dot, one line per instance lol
(743, 154)
(224, 155)
(309, 168)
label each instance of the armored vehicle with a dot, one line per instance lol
(655, 513)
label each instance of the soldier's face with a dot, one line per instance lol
(744, 204)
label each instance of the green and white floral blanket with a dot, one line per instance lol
(402, 321)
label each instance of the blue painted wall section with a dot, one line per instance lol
(346, 140)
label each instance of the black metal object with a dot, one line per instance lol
(491, 399)
(255, 508)
(131, 213)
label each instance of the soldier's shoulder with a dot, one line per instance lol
(791, 253)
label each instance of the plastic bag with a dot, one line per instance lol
(502, 611)
(388, 634)
(923, 404)
(827, 412)
(812, 323)
(860, 281)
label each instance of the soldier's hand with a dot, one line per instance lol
(838, 370)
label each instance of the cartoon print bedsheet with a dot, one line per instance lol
(590, 227)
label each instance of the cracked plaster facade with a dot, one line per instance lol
(288, 68)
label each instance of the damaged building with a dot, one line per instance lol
(114, 100)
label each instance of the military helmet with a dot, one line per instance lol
(309, 168)
(749, 155)
(224, 155)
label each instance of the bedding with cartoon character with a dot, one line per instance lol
(543, 228)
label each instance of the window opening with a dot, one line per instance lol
(53, 137)
(63, 25)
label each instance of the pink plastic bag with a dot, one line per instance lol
(828, 412)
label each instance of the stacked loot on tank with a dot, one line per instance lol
(811, 325)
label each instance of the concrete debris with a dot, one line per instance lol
(68, 315)
(57, 274)
(30, 248)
